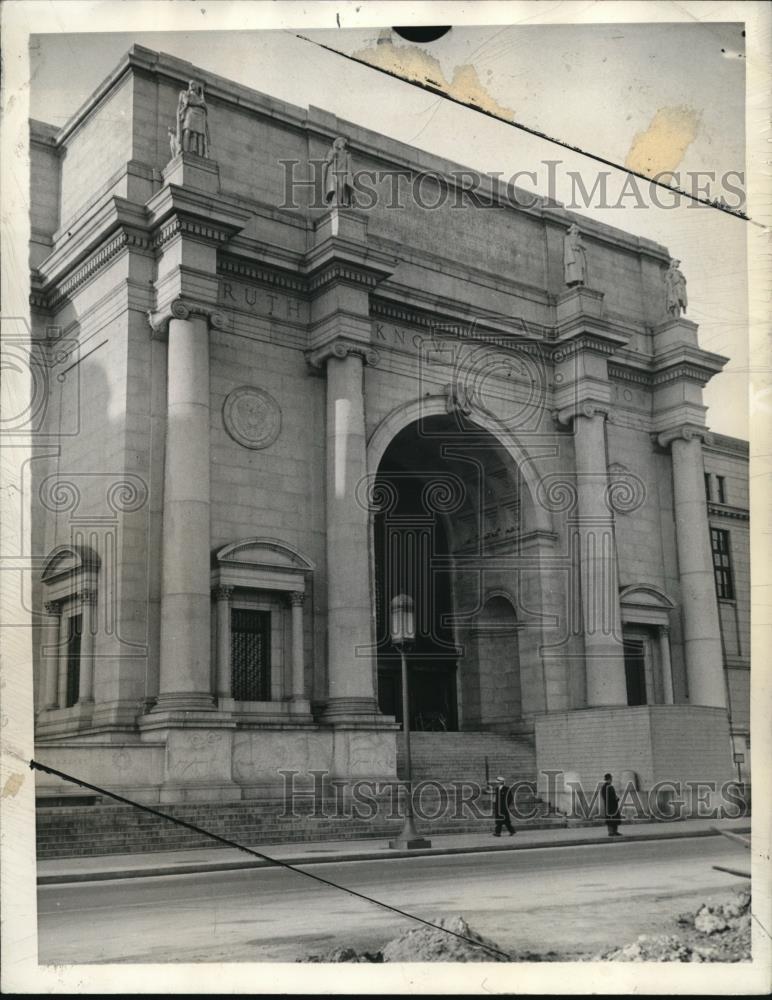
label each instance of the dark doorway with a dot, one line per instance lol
(635, 671)
(412, 557)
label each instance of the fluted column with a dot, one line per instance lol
(185, 682)
(664, 660)
(87, 640)
(51, 687)
(222, 596)
(351, 675)
(601, 618)
(701, 631)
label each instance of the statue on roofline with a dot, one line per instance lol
(338, 182)
(675, 284)
(574, 257)
(192, 135)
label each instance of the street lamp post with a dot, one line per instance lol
(402, 635)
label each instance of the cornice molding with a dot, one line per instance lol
(262, 273)
(623, 373)
(51, 298)
(585, 342)
(686, 372)
(724, 510)
(182, 225)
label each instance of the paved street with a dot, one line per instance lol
(572, 899)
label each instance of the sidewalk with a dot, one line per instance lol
(120, 866)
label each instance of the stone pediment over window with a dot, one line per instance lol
(261, 563)
(645, 604)
(69, 568)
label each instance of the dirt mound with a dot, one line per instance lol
(710, 934)
(425, 944)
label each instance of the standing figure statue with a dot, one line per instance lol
(338, 183)
(574, 257)
(192, 128)
(675, 283)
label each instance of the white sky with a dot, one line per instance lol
(593, 86)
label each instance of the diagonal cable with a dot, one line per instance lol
(36, 765)
(423, 85)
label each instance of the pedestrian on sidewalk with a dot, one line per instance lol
(501, 807)
(611, 807)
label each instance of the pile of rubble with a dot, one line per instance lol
(427, 944)
(711, 934)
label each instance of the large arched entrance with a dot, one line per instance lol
(448, 502)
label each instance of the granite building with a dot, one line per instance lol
(280, 379)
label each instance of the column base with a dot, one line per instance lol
(346, 710)
(184, 701)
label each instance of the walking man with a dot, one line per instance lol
(501, 807)
(611, 807)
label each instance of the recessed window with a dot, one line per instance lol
(74, 632)
(722, 564)
(708, 496)
(250, 655)
(721, 489)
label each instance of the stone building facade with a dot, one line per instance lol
(281, 381)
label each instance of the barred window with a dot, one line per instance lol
(722, 564)
(74, 632)
(250, 654)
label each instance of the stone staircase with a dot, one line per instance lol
(454, 757)
(455, 802)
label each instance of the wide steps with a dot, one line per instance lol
(460, 757)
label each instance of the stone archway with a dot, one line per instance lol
(449, 505)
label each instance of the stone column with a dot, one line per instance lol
(87, 642)
(61, 673)
(222, 596)
(702, 637)
(185, 681)
(601, 617)
(296, 599)
(51, 688)
(664, 660)
(350, 628)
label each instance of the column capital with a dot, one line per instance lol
(664, 630)
(296, 598)
(87, 596)
(587, 409)
(222, 593)
(53, 608)
(182, 309)
(686, 433)
(340, 348)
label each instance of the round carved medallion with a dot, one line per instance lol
(252, 417)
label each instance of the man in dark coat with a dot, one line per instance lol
(501, 807)
(611, 807)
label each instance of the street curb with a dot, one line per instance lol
(313, 859)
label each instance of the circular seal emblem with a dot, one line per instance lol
(252, 417)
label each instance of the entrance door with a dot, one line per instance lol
(432, 695)
(635, 671)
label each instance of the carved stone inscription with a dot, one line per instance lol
(268, 302)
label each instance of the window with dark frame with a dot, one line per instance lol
(722, 564)
(250, 654)
(721, 489)
(74, 632)
(708, 496)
